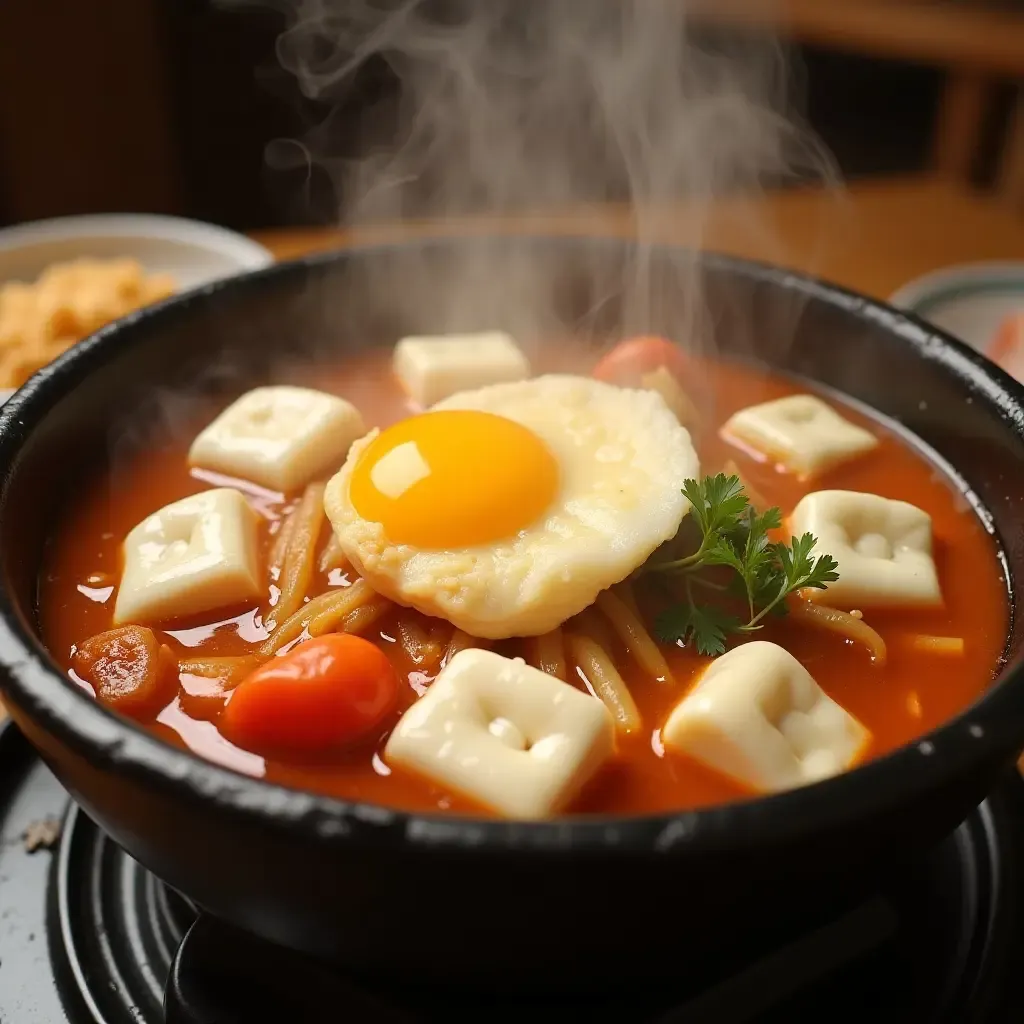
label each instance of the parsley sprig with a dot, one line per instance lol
(734, 535)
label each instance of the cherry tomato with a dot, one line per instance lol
(631, 359)
(325, 693)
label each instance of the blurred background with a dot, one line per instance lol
(180, 106)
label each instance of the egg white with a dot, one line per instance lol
(622, 456)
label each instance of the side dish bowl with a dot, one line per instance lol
(194, 252)
(577, 898)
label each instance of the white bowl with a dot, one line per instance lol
(194, 253)
(969, 301)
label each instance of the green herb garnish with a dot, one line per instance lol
(734, 535)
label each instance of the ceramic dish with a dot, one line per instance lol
(193, 252)
(971, 301)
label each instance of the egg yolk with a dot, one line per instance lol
(454, 478)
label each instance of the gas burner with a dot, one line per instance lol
(113, 928)
(87, 936)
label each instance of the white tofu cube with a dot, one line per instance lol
(500, 732)
(883, 547)
(758, 716)
(279, 437)
(195, 555)
(801, 432)
(433, 368)
(667, 385)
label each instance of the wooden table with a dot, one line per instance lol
(874, 239)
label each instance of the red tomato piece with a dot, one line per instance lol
(325, 693)
(631, 359)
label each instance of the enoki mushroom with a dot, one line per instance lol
(844, 623)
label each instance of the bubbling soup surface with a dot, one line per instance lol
(920, 685)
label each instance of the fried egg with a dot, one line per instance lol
(507, 510)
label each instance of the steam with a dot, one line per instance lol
(509, 107)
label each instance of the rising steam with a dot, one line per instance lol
(504, 106)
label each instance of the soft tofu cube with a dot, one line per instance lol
(801, 432)
(279, 437)
(516, 740)
(667, 385)
(883, 547)
(193, 556)
(433, 368)
(758, 716)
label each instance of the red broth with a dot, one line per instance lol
(914, 692)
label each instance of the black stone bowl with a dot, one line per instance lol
(434, 897)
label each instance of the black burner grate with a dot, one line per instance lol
(89, 937)
(113, 927)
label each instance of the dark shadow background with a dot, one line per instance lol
(169, 106)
